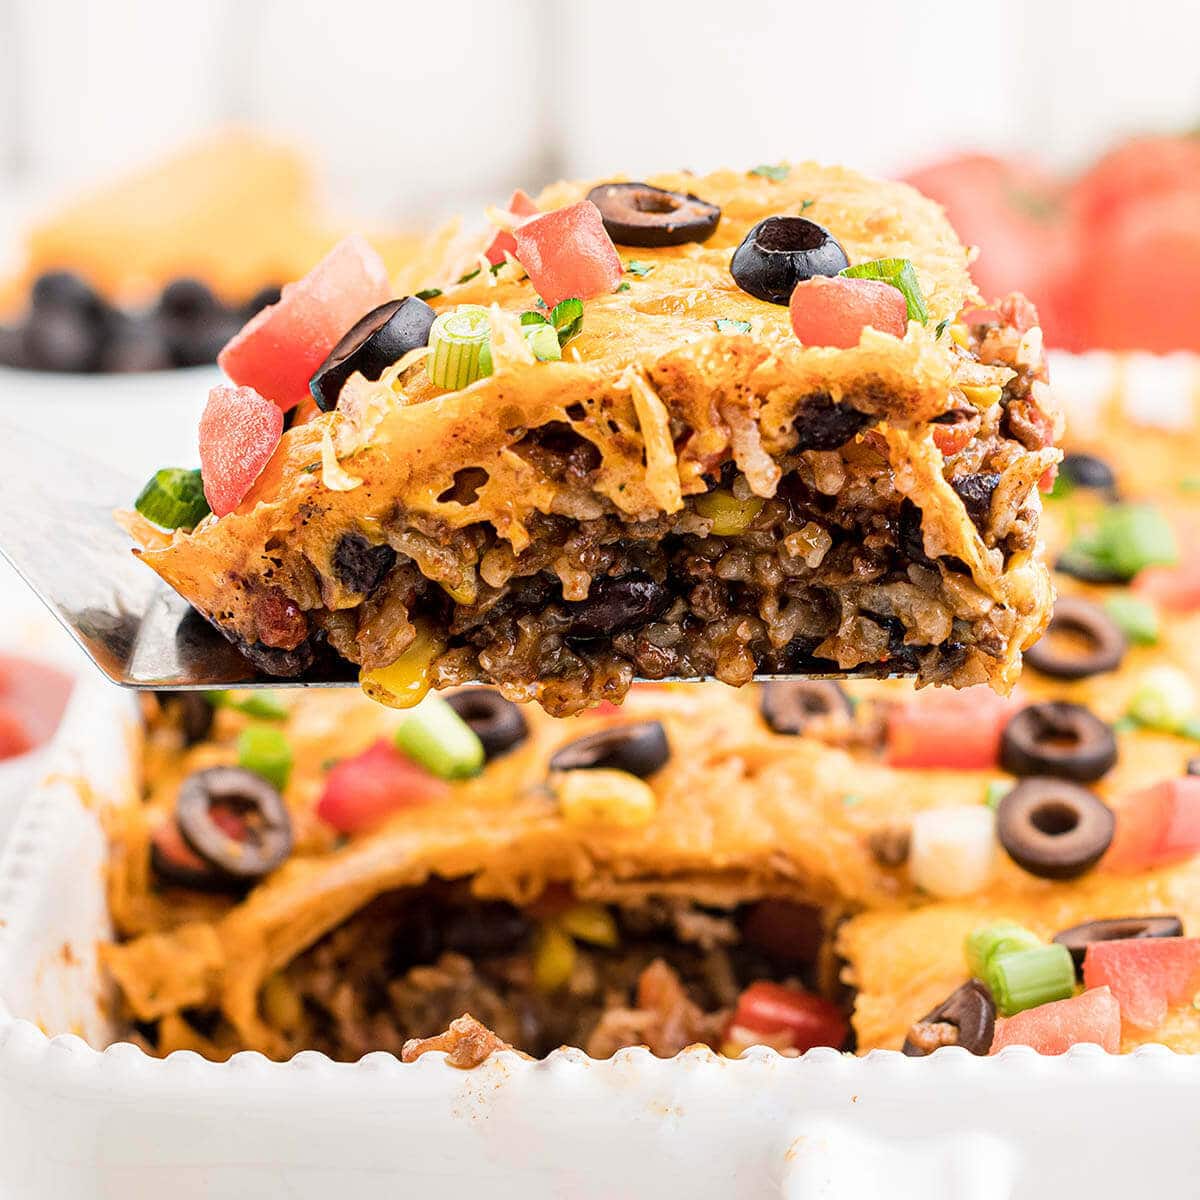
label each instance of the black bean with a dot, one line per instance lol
(1079, 937)
(790, 707)
(359, 565)
(975, 491)
(823, 425)
(614, 604)
(498, 723)
(1053, 828)
(485, 929)
(640, 748)
(1103, 645)
(966, 1018)
(1058, 739)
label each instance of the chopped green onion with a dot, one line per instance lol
(567, 317)
(996, 790)
(942, 326)
(1126, 538)
(1136, 618)
(429, 293)
(1164, 699)
(805, 205)
(435, 736)
(1126, 724)
(472, 274)
(173, 499)
(1026, 978)
(543, 341)
(640, 269)
(1190, 483)
(1191, 729)
(266, 705)
(851, 800)
(456, 341)
(1063, 486)
(726, 325)
(1000, 937)
(265, 751)
(623, 286)
(776, 171)
(902, 275)
(530, 317)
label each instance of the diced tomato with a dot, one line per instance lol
(239, 432)
(568, 253)
(169, 844)
(808, 1020)
(1176, 588)
(33, 697)
(1146, 975)
(280, 348)
(1018, 313)
(361, 792)
(950, 439)
(834, 311)
(520, 205)
(944, 728)
(1092, 1016)
(1157, 826)
(14, 737)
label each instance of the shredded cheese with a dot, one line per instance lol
(662, 466)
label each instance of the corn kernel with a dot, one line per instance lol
(406, 681)
(729, 515)
(959, 333)
(981, 395)
(281, 1004)
(553, 958)
(591, 923)
(602, 796)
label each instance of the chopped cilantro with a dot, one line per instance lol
(533, 318)
(1190, 729)
(309, 468)
(1126, 724)
(725, 325)
(775, 171)
(567, 319)
(429, 293)
(623, 286)
(639, 269)
(902, 275)
(805, 205)
(471, 274)
(942, 326)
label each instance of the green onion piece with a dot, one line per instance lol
(1190, 483)
(567, 318)
(1164, 699)
(996, 790)
(429, 293)
(1191, 729)
(1126, 538)
(456, 341)
(776, 171)
(1126, 724)
(623, 286)
(468, 276)
(265, 751)
(266, 705)
(1026, 978)
(435, 736)
(533, 318)
(726, 325)
(173, 499)
(543, 341)
(1000, 937)
(902, 275)
(1136, 618)
(805, 205)
(640, 269)
(941, 327)
(1063, 487)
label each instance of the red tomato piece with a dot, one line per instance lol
(950, 439)
(568, 253)
(1176, 588)
(1092, 1016)
(834, 311)
(277, 351)
(363, 791)
(520, 205)
(33, 697)
(170, 843)
(808, 1020)
(1157, 826)
(239, 432)
(1146, 975)
(14, 737)
(959, 730)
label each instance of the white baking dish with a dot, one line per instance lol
(78, 1123)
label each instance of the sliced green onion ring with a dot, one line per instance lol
(1026, 978)
(902, 275)
(999, 937)
(456, 342)
(173, 499)
(543, 341)
(1136, 618)
(435, 736)
(567, 317)
(1164, 699)
(267, 752)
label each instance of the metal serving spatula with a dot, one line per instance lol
(57, 530)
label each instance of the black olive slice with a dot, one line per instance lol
(966, 1018)
(1088, 471)
(257, 809)
(781, 251)
(1060, 739)
(975, 490)
(174, 861)
(1053, 828)
(1079, 937)
(1086, 569)
(640, 748)
(194, 711)
(485, 929)
(384, 336)
(1193, 767)
(1093, 644)
(791, 707)
(636, 214)
(498, 723)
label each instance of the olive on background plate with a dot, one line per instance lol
(1088, 471)
(791, 706)
(1060, 739)
(966, 1018)
(640, 747)
(1054, 828)
(498, 723)
(637, 214)
(1079, 937)
(781, 251)
(1081, 640)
